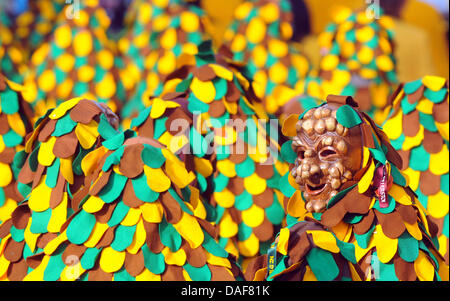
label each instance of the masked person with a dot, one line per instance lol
(354, 217)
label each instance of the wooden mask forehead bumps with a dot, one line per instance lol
(374, 228)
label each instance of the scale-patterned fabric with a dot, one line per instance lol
(51, 181)
(358, 60)
(418, 129)
(151, 49)
(16, 119)
(261, 38)
(22, 35)
(77, 61)
(210, 117)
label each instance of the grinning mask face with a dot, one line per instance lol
(328, 155)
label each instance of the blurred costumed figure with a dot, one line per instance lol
(78, 61)
(152, 48)
(262, 38)
(211, 118)
(22, 34)
(417, 126)
(50, 182)
(357, 59)
(15, 123)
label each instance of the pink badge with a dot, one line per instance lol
(381, 182)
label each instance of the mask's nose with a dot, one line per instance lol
(309, 168)
(315, 174)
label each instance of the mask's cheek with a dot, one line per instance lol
(335, 175)
(353, 158)
(352, 163)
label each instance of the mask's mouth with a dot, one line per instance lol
(312, 189)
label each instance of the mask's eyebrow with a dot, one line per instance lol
(304, 139)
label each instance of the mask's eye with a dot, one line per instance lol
(327, 153)
(301, 154)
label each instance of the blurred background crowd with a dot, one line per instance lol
(422, 26)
